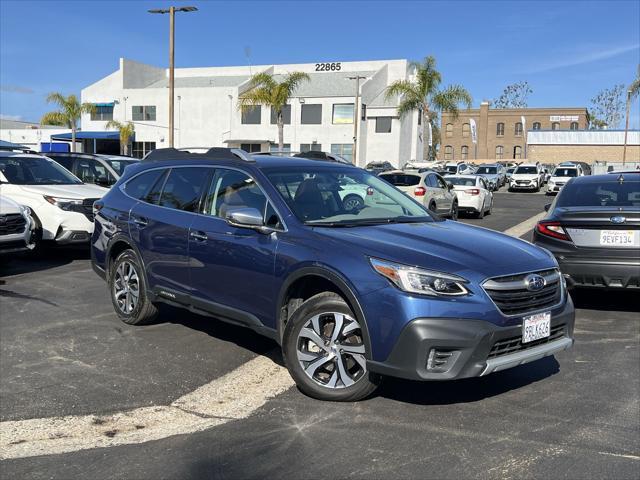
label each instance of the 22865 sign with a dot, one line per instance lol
(328, 67)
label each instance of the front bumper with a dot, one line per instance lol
(466, 345)
(523, 186)
(68, 237)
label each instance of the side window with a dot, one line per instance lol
(231, 190)
(102, 175)
(66, 162)
(271, 218)
(441, 183)
(183, 188)
(432, 181)
(139, 186)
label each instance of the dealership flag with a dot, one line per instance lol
(524, 123)
(430, 133)
(474, 131)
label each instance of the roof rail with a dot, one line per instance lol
(188, 153)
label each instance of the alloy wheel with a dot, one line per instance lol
(126, 287)
(330, 350)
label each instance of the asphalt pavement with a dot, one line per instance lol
(64, 352)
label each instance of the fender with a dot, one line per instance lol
(120, 237)
(343, 286)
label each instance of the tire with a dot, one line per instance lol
(537, 189)
(490, 207)
(480, 213)
(342, 376)
(433, 208)
(454, 211)
(126, 275)
(353, 202)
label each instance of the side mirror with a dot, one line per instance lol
(547, 207)
(245, 218)
(450, 185)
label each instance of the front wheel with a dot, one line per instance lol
(353, 202)
(129, 291)
(325, 351)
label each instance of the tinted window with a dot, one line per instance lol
(451, 168)
(565, 172)
(614, 194)
(231, 190)
(311, 114)
(183, 188)
(286, 115)
(383, 125)
(487, 170)
(527, 170)
(251, 115)
(465, 182)
(120, 165)
(35, 171)
(401, 179)
(432, 181)
(66, 162)
(90, 170)
(139, 186)
(441, 183)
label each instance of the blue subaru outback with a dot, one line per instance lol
(351, 277)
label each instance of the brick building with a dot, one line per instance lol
(501, 134)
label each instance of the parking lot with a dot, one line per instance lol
(65, 354)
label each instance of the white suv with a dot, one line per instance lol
(61, 205)
(562, 175)
(527, 176)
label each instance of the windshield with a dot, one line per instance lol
(527, 170)
(451, 168)
(35, 171)
(565, 172)
(510, 170)
(120, 165)
(489, 170)
(337, 197)
(609, 194)
(465, 182)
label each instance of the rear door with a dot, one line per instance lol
(160, 227)
(445, 196)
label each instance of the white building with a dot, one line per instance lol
(29, 134)
(320, 116)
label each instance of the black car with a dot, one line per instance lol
(593, 230)
(103, 170)
(378, 167)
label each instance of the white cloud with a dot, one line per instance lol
(580, 59)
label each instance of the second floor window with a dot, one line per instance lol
(311, 114)
(464, 152)
(536, 125)
(465, 129)
(251, 115)
(342, 113)
(449, 130)
(448, 152)
(499, 152)
(383, 124)
(143, 112)
(102, 112)
(500, 129)
(518, 129)
(574, 126)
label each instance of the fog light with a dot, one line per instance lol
(441, 360)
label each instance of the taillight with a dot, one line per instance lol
(420, 191)
(552, 229)
(473, 191)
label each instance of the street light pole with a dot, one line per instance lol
(356, 115)
(172, 11)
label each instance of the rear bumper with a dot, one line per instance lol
(612, 273)
(467, 344)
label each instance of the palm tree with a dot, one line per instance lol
(424, 95)
(70, 112)
(632, 92)
(264, 89)
(126, 132)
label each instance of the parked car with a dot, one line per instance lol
(103, 170)
(350, 295)
(593, 230)
(60, 204)
(459, 169)
(378, 167)
(474, 194)
(508, 164)
(526, 177)
(16, 226)
(428, 188)
(495, 175)
(509, 172)
(584, 166)
(560, 176)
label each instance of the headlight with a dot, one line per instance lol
(416, 280)
(63, 203)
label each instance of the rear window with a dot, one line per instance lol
(401, 180)
(465, 182)
(605, 194)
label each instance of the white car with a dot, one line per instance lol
(527, 176)
(560, 176)
(61, 205)
(474, 194)
(459, 169)
(16, 226)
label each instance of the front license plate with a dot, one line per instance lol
(535, 327)
(617, 238)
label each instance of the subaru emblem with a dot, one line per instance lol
(618, 219)
(534, 282)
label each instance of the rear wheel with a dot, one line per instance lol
(480, 213)
(352, 202)
(129, 290)
(325, 351)
(454, 211)
(490, 207)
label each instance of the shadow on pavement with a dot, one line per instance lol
(49, 257)
(610, 301)
(467, 390)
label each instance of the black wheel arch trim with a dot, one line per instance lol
(343, 286)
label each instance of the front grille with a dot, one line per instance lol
(511, 296)
(11, 223)
(522, 182)
(86, 208)
(514, 344)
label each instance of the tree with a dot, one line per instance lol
(126, 131)
(264, 89)
(424, 95)
(70, 112)
(632, 92)
(514, 96)
(607, 107)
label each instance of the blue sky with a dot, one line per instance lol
(567, 51)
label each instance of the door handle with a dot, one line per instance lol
(199, 236)
(140, 221)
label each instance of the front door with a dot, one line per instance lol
(232, 268)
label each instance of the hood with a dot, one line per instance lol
(474, 253)
(8, 206)
(77, 191)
